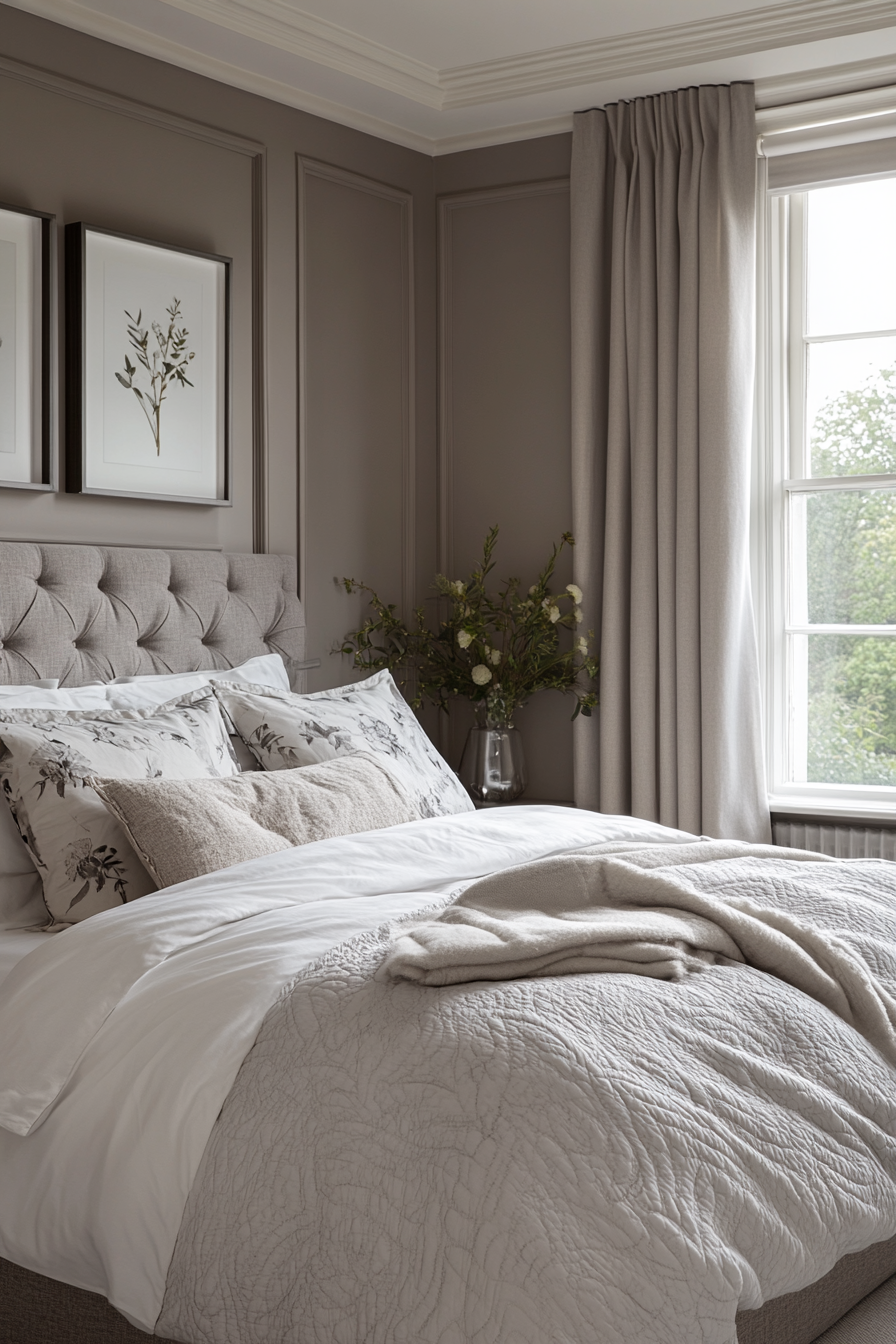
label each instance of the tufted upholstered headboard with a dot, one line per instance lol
(87, 613)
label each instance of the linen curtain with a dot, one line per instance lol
(663, 257)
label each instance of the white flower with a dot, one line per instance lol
(458, 588)
(533, 590)
(578, 615)
(553, 613)
(495, 656)
(481, 674)
(582, 645)
(464, 638)
(575, 592)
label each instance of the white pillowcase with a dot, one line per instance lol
(46, 695)
(267, 669)
(21, 902)
(285, 730)
(47, 760)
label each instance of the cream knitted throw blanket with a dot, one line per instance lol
(616, 909)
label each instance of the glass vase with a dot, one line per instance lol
(493, 767)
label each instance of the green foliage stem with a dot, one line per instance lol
(495, 648)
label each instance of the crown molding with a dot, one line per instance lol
(805, 86)
(502, 135)
(314, 39)
(278, 24)
(128, 35)
(669, 48)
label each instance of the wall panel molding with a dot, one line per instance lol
(308, 168)
(260, 445)
(447, 208)
(51, 82)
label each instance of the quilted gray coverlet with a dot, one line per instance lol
(580, 1159)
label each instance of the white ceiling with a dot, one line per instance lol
(442, 75)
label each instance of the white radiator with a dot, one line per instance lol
(843, 842)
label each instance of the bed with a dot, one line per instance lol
(158, 1210)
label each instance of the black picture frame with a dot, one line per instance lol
(44, 431)
(81, 468)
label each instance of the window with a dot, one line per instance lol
(829, 491)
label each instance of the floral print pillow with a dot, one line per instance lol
(284, 730)
(47, 760)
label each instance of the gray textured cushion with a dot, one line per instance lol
(182, 829)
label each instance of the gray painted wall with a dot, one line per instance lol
(129, 143)
(504, 389)
(337, 387)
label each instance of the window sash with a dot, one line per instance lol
(780, 474)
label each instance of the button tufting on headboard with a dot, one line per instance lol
(81, 613)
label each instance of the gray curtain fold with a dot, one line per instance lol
(663, 258)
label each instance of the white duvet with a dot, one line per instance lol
(120, 1038)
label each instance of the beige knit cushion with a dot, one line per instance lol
(184, 828)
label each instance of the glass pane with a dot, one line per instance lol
(851, 407)
(843, 558)
(851, 258)
(851, 686)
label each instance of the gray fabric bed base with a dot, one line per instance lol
(37, 1310)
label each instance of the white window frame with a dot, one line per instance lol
(779, 473)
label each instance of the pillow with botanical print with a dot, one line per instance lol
(285, 730)
(47, 759)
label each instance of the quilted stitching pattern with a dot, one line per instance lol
(587, 1158)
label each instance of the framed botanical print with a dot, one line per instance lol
(27, 380)
(147, 369)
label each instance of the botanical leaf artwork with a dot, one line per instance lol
(165, 364)
(99, 866)
(377, 731)
(23, 826)
(59, 764)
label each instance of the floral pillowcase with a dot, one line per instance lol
(284, 730)
(47, 760)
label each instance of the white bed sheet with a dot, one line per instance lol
(94, 1196)
(16, 944)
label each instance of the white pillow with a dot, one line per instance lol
(46, 695)
(267, 669)
(45, 684)
(47, 760)
(285, 730)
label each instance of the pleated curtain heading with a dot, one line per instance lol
(663, 195)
